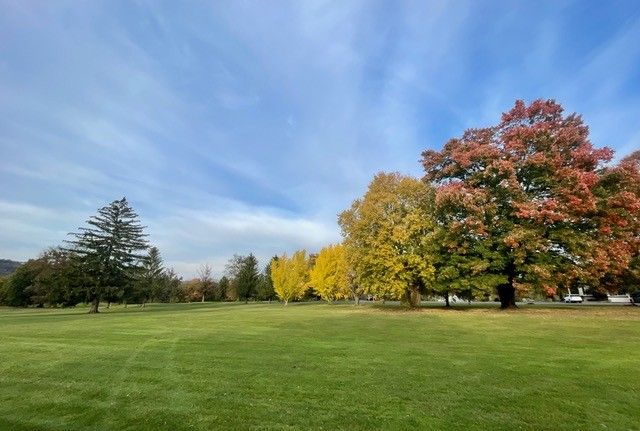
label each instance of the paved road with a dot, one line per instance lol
(536, 303)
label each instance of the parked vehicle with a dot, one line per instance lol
(624, 298)
(572, 297)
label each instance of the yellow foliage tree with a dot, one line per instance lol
(329, 276)
(290, 276)
(389, 237)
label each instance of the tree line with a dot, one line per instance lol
(526, 207)
(110, 260)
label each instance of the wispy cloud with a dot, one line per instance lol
(246, 126)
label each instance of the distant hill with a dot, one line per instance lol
(8, 266)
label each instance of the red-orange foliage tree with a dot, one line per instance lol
(618, 255)
(528, 204)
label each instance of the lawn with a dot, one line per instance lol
(316, 366)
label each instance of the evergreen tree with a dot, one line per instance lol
(247, 278)
(151, 276)
(265, 285)
(109, 250)
(223, 288)
(171, 287)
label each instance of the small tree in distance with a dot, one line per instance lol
(151, 276)
(205, 281)
(290, 275)
(224, 285)
(247, 278)
(265, 285)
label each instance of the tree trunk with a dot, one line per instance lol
(356, 299)
(144, 302)
(507, 294)
(286, 301)
(446, 300)
(109, 304)
(413, 297)
(507, 291)
(203, 297)
(94, 305)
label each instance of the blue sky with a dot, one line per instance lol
(241, 126)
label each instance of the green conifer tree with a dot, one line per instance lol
(109, 250)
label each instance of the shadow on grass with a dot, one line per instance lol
(425, 306)
(121, 310)
(495, 306)
(389, 306)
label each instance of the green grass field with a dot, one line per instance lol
(315, 366)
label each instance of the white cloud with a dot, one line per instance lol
(214, 236)
(239, 127)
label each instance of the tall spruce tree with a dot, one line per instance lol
(151, 277)
(109, 250)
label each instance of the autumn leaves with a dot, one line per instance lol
(528, 205)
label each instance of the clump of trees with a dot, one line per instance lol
(51, 278)
(107, 260)
(244, 277)
(528, 206)
(110, 260)
(242, 281)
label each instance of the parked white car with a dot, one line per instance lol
(573, 297)
(624, 298)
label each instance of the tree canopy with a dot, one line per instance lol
(290, 276)
(329, 276)
(519, 202)
(389, 237)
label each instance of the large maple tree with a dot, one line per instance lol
(618, 255)
(529, 203)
